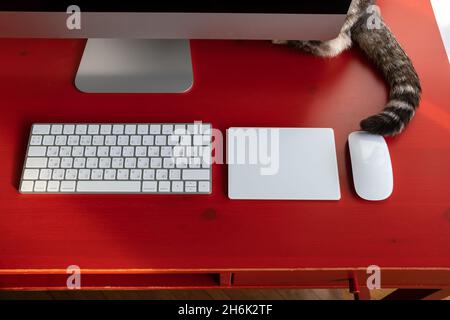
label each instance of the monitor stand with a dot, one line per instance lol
(135, 66)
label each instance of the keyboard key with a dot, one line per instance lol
(135, 140)
(123, 174)
(173, 140)
(93, 129)
(153, 151)
(164, 186)
(128, 152)
(123, 140)
(37, 151)
(41, 129)
(58, 174)
(80, 129)
(141, 151)
(136, 174)
(198, 140)
(53, 186)
(73, 140)
(40, 186)
(27, 186)
(61, 140)
(79, 163)
(169, 163)
(160, 140)
(191, 186)
(71, 174)
(156, 163)
(31, 174)
(103, 151)
(36, 140)
(36, 163)
(155, 129)
(166, 151)
(68, 186)
(66, 163)
(167, 129)
(149, 174)
(110, 174)
(149, 186)
(110, 140)
(97, 174)
(109, 186)
(180, 129)
(52, 151)
(86, 140)
(57, 129)
(162, 174)
(142, 129)
(98, 140)
(181, 163)
(77, 151)
(116, 152)
(204, 186)
(84, 174)
(186, 140)
(196, 174)
(130, 163)
(69, 129)
(48, 140)
(45, 174)
(105, 163)
(117, 163)
(118, 129)
(92, 163)
(178, 186)
(175, 174)
(90, 151)
(143, 163)
(130, 129)
(195, 163)
(105, 129)
(65, 151)
(148, 140)
(54, 162)
(179, 152)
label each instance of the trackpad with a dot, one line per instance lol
(282, 164)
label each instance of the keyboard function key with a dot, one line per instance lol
(81, 129)
(57, 129)
(41, 129)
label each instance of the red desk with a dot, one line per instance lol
(144, 241)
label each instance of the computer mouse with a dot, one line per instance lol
(371, 165)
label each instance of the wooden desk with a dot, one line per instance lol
(145, 241)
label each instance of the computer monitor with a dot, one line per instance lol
(140, 46)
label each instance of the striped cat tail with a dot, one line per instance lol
(383, 49)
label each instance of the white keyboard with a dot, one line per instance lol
(119, 158)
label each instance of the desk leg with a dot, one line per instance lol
(359, 292)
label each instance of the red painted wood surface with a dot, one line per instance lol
(238, 83)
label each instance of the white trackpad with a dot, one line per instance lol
(441, 11)
(282, 164)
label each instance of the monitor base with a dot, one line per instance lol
(135, 66)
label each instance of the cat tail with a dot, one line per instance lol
(381, 47)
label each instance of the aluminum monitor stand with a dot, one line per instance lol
(135, 66)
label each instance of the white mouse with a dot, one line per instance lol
(371, 165)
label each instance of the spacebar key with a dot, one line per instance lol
(109, 186)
